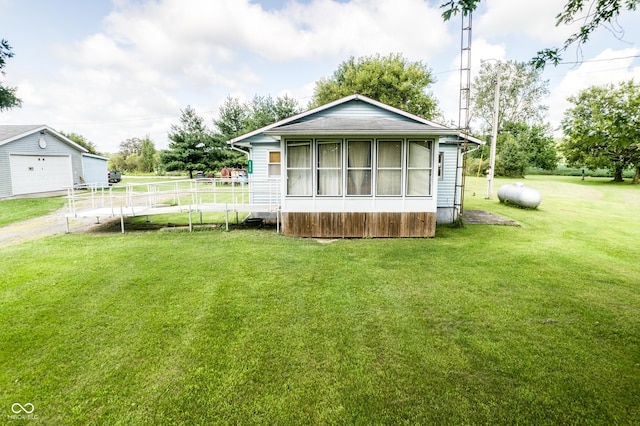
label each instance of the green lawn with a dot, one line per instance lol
(17, 209)
(538, 324)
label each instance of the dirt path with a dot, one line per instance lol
(43, 226)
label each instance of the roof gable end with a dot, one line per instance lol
(309, 115)
(10, 133)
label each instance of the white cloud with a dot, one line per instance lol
(448, 93)
(150, 58)
(533, 19)
(599, 70)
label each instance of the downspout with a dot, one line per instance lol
(235, 148)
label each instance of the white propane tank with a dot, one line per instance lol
(519, 195)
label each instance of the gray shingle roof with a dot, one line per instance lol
(8, 131)
(357, 126)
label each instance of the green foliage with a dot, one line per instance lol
(135, 155)
(602, 129)
(82, 141)
(592, 13)
(513, 159)
(389, 79)
(453, 7)
(8, 98)
(519, 147)
(192, 145)
(522, 91)
(147, 162)
(232, 118)
(236, 118)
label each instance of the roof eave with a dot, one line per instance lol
(331, 105)
(362, 132)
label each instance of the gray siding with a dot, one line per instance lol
(94, 171)
(447, 184)
(260, 187)
(29, 145)
(356, 109)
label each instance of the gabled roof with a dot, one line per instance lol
(355, 126)
(12, 132)
(344, 126)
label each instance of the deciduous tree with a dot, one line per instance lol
(390, 79)
(522, 93)
(8, 98)
(236, 118)
(148, 158)
(602, 129)
(82, 141)
(521, 146)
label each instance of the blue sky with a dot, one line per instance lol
(116, 69)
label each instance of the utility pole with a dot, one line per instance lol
(494, 133)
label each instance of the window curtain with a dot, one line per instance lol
(299, 170)
(389, 168)
(329, 169)
(419, 170)
(359, 163)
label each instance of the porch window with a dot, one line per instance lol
(389, 178)
(419, 168)
(359, 167)
(299, 168)
(274, 164)
(329, 168)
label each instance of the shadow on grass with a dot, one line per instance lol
(113, 226)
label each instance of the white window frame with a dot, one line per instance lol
(370, 168)
(296, 143)
(379, 142)
(270, 163)
(318, 169)
(429, 169)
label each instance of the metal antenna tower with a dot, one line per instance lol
(463, 112)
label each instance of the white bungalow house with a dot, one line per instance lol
(357, 167)
(37, 158)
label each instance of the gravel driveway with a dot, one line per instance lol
(43, 226)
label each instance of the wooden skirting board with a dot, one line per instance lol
(359, 225)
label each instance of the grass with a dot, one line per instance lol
(538, 324)
(18, 209)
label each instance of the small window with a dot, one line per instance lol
(441, 165)
(274, 166)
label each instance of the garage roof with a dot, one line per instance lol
(12, 132)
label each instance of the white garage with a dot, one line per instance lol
(36, 158)
(40, 173)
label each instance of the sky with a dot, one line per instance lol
(111, 70)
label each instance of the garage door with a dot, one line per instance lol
(40, 173)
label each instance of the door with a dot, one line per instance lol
(40, 173)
